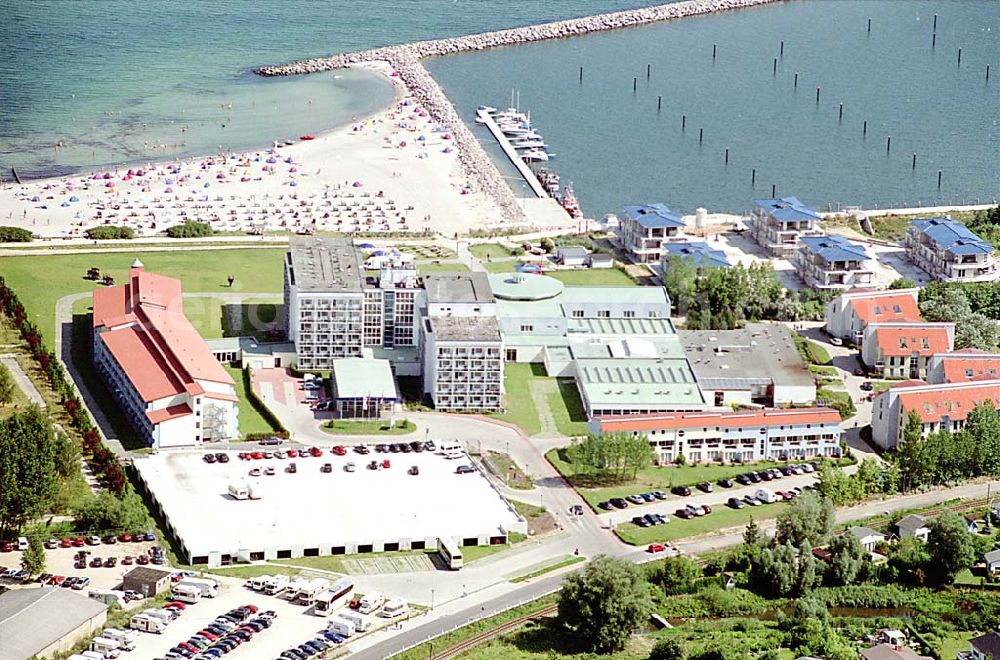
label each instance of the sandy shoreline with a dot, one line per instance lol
(395, 171)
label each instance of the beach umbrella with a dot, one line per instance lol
(36, 198)
(293, 184)
(169, 182)
(74, 198)
(207, 184)
(365, 246)
(64, 204)
(272, 159)
(107, 175)
(356, 184)
(422, 138)
(168, 189)
(244, 179)
(288, 160)
(293, 169)
(109, 184)
(447, 150)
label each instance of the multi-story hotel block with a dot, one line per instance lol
(833, 262)
(941, 407)
(903, 350)
(848, 314)
(778, 224)
(949, 251)
(463, 363)
(157, 366)
(741, 436)
(645, 228)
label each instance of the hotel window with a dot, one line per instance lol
(654, 315)
(629, 314)
(604, 313)
(527, 328)
(578, 313)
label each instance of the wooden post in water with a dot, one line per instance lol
(714, 46)
(774, 191)
(635, 82)
(796, 80)
(888, 143)
(727, 155)
(774, 69)
(781, 52)
(933, 41)
(935, 23)
(684, 121)
(840, 116)
(817, 95)
(864, 131)
(701, 135)
(987, 73)
(914, 165)
(753, 177)
(581, 74)
(659, 102)
(959, 57)
(939, 179)
(648, 69)
(869, 25)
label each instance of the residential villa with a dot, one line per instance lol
(941, 407)
(778, 224)
(867, 537)
(833, 262)
(733, 436)
(985, 647)
(848, 314)
(949, 251)
(698, 253)
(162, 373)
(962, 366)
(913, 525)
(645, 228)
(903, 350)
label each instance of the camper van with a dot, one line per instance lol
(766, 495)
(257, 583)
(394, 607)
(239, 491)
(209, 588)
(125, 638)
(163, 616)
(108, 648)
(362, 622)
(371, 602)
(340, 626)
(108, 597)
(148, 624)
(332, 599)
(308, 592)
(187, 593)
(451, 449)
(291, 591)
(275, 584)
(93, 655)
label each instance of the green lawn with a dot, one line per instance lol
(568, 560)
(722, 517)
(490, 251)
(811, 352)
(951, 645)
(508, 470)
(255, 270)
(563, 401)
(254, 316)
(368, 427)
(335, 563)
(252, 571)
(250, 420)
(651, 478)
(592, 277)
(424, 267)
(503, 266)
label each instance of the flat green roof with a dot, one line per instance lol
(357, 378)
(624, 347)
(632, 382)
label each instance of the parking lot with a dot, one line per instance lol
(311, 511)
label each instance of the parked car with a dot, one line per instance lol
(867, 386)
(271, 441)
(726, 483)
(684, 513)
(659, 494)
(209, 458)
(81, 583)
(414, 470)
(635, 499)
(110, 562)
(222, 457)
(656, 547)
(751, 500)
(326, 468)
(697, 509)
(96, 562)
(350, 467)
(744, 479)
(464, 469)
(735, 503)
(619, 503)
(683, 491)
(640, 521)
(836, 341)
(361, 449)
(51, 544)
(705, 487)
(606, 506)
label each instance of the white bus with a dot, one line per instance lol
(332, 599)
(450, 553)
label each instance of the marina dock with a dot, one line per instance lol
(536, 186)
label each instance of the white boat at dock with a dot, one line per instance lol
(536, 155)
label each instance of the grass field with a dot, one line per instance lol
(255, 270)
(651, 478)
(811, 352)
(490, 251)
(568, 560)
(509, 471)
(252, 571)
(592, 277)
(562, 400)
(335, 563)
(424, 267)
(368, 427)
(250, 420)
(722, 517)
(503, 266)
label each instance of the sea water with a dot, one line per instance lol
(616, 148)
(124, 81)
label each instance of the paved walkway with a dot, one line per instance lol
(9, 360)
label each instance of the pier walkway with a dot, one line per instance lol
(522, 167)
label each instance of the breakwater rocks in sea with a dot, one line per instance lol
(406, 60)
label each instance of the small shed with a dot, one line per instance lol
(868, 538)
(600, 260)
(571, 255)
(992, 562)
(147, 581)
(913, 525)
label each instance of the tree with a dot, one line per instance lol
(902, 283)
(33, 559)
(7, 385)
(807, 521)
(107, 512)
(617, 455)
(604, 603)
(27, 468)
(680, 281)
(950, 546)
(109, 232)
(668, 649)
(752, 535)
(810, 632)
(10, 234)
(679, 575)
(774, 573)
(983, 425)
(910, 558)
(846, 560)
(909, 452)
(190, 229)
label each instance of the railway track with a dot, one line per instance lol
(492, 633)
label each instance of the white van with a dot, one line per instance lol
(147, 624)
(209, 588)
(394, 607)
(239, 491)
(22, 543)
(163, 616)
(108, 648)
(258, 582)
(125, 638)
(340, 626)
(451, 449)
(766, 495)
(362, 622)
(371, 602)
(275, 584)
(291, 590)
(187, 593)
(93, 655)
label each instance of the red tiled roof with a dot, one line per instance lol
(168, 413)
(953, 402)
(958, 369)
(221, 397)
(905, 341)
(175, 355)
(886, 309)
(739, 419)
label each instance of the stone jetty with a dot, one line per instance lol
(405, 59)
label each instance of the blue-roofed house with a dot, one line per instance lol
(698, 253)
(778, 224)
(833, 262)
(644, 229)
(949, 251)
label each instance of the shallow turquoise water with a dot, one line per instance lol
(616, 148)
(109, 78)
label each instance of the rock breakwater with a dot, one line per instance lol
(405, 59)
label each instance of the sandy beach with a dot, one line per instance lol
(394, 172)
